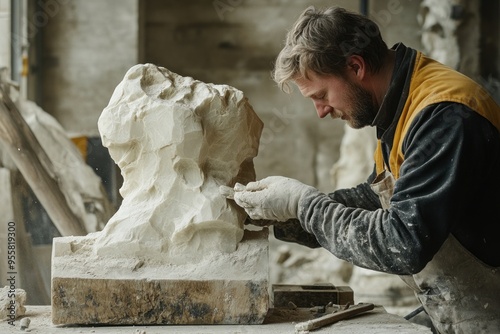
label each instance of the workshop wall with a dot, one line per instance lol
(398, 21)
(87, 46)
(4, 33)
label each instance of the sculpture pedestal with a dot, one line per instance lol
(224, 288)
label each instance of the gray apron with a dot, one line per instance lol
(459, 292)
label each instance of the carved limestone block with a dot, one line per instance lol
(173, 253)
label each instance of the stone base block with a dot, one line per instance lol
(225, 289)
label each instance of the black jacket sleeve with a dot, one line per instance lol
(361, 196)
(439, 151)
(292, 231)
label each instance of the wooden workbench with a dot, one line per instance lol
(377, 321)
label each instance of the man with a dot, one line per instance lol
(430, 211)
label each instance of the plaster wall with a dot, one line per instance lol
(4, 33)
(88, 45)
(397, 20)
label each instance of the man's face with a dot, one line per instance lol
(339, 98)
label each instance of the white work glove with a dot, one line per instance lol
(273, 198)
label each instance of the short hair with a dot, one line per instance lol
(322, 40)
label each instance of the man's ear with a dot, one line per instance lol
(356, 67)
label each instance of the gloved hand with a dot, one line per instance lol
(273, 198)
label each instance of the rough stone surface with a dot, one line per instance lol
(222, 289)
(173, 253)
(176, 140)
(5, 302)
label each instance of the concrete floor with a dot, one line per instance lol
(377, 321)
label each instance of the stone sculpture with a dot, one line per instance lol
(175, 252)
(176, 140)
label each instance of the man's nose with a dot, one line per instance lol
(319, 108)
(322, 109)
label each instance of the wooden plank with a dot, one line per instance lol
(329, 319)
(30, 278)
(36, 167)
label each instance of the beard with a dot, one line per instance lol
(363, 109)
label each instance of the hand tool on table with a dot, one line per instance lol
(347, 312)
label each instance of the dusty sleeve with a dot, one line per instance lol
(425, 206)
(361, 196)
(292, 231)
